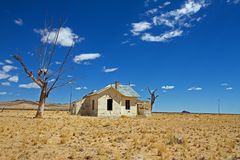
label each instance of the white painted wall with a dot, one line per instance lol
(118, 104)
(84, 107)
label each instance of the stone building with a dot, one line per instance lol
(114, 100)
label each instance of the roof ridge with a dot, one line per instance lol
(125, 90)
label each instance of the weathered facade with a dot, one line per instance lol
(112, 101)
(144, 108)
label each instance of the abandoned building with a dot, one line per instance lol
(114, 100)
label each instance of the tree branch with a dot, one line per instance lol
(60, 70)
(54, 45)
(59, 85)
(149, 91)
(29, 73)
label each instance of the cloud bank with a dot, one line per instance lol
(161, 24)
(65, 37)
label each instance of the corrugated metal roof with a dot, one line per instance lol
(128, 91)
(125, 90)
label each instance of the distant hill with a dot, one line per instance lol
(27, 104)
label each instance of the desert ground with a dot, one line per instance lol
(163, 136)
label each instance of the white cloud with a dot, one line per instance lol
(51, 80)
(233, 1)
(3, 75)
(164, 5)
(8, 61)
(167, 87)
(3, 93)
(169, 24)
(13, 79)
(140, 27)
(78, 88)
(224, 84)
(162, 21)
(18, 21)
(229, 88)
(151, 11)
(167, 3)
(5, 84)
(190, 7)
(29, 85)
(132, 85)
(178, 18)
(69, 76)
(8, 68)
(195, 89)
(1, 63)
(108, 70)
(147, 2)
(163, 37)
(85, 56)
(57, 62)
(65, 37)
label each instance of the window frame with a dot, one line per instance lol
(93, 104)
(127, 104)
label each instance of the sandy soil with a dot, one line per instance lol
(163, 136)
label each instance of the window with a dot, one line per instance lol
(109, 104)
(93, 103)
(127, 104)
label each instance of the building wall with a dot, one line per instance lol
(76, 106)
(144, 108)
(92, 111)
(84, 107)
(118, 104)
(133, 107)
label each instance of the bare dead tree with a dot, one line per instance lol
(45, 57)
(153, 96)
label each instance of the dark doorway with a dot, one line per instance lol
(109, 104)
(127, 104)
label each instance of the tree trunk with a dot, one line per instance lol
(41, 103)
(152, 102)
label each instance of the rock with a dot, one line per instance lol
(179, 139)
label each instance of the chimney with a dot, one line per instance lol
(117, 83)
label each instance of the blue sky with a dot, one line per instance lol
(188, 50)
